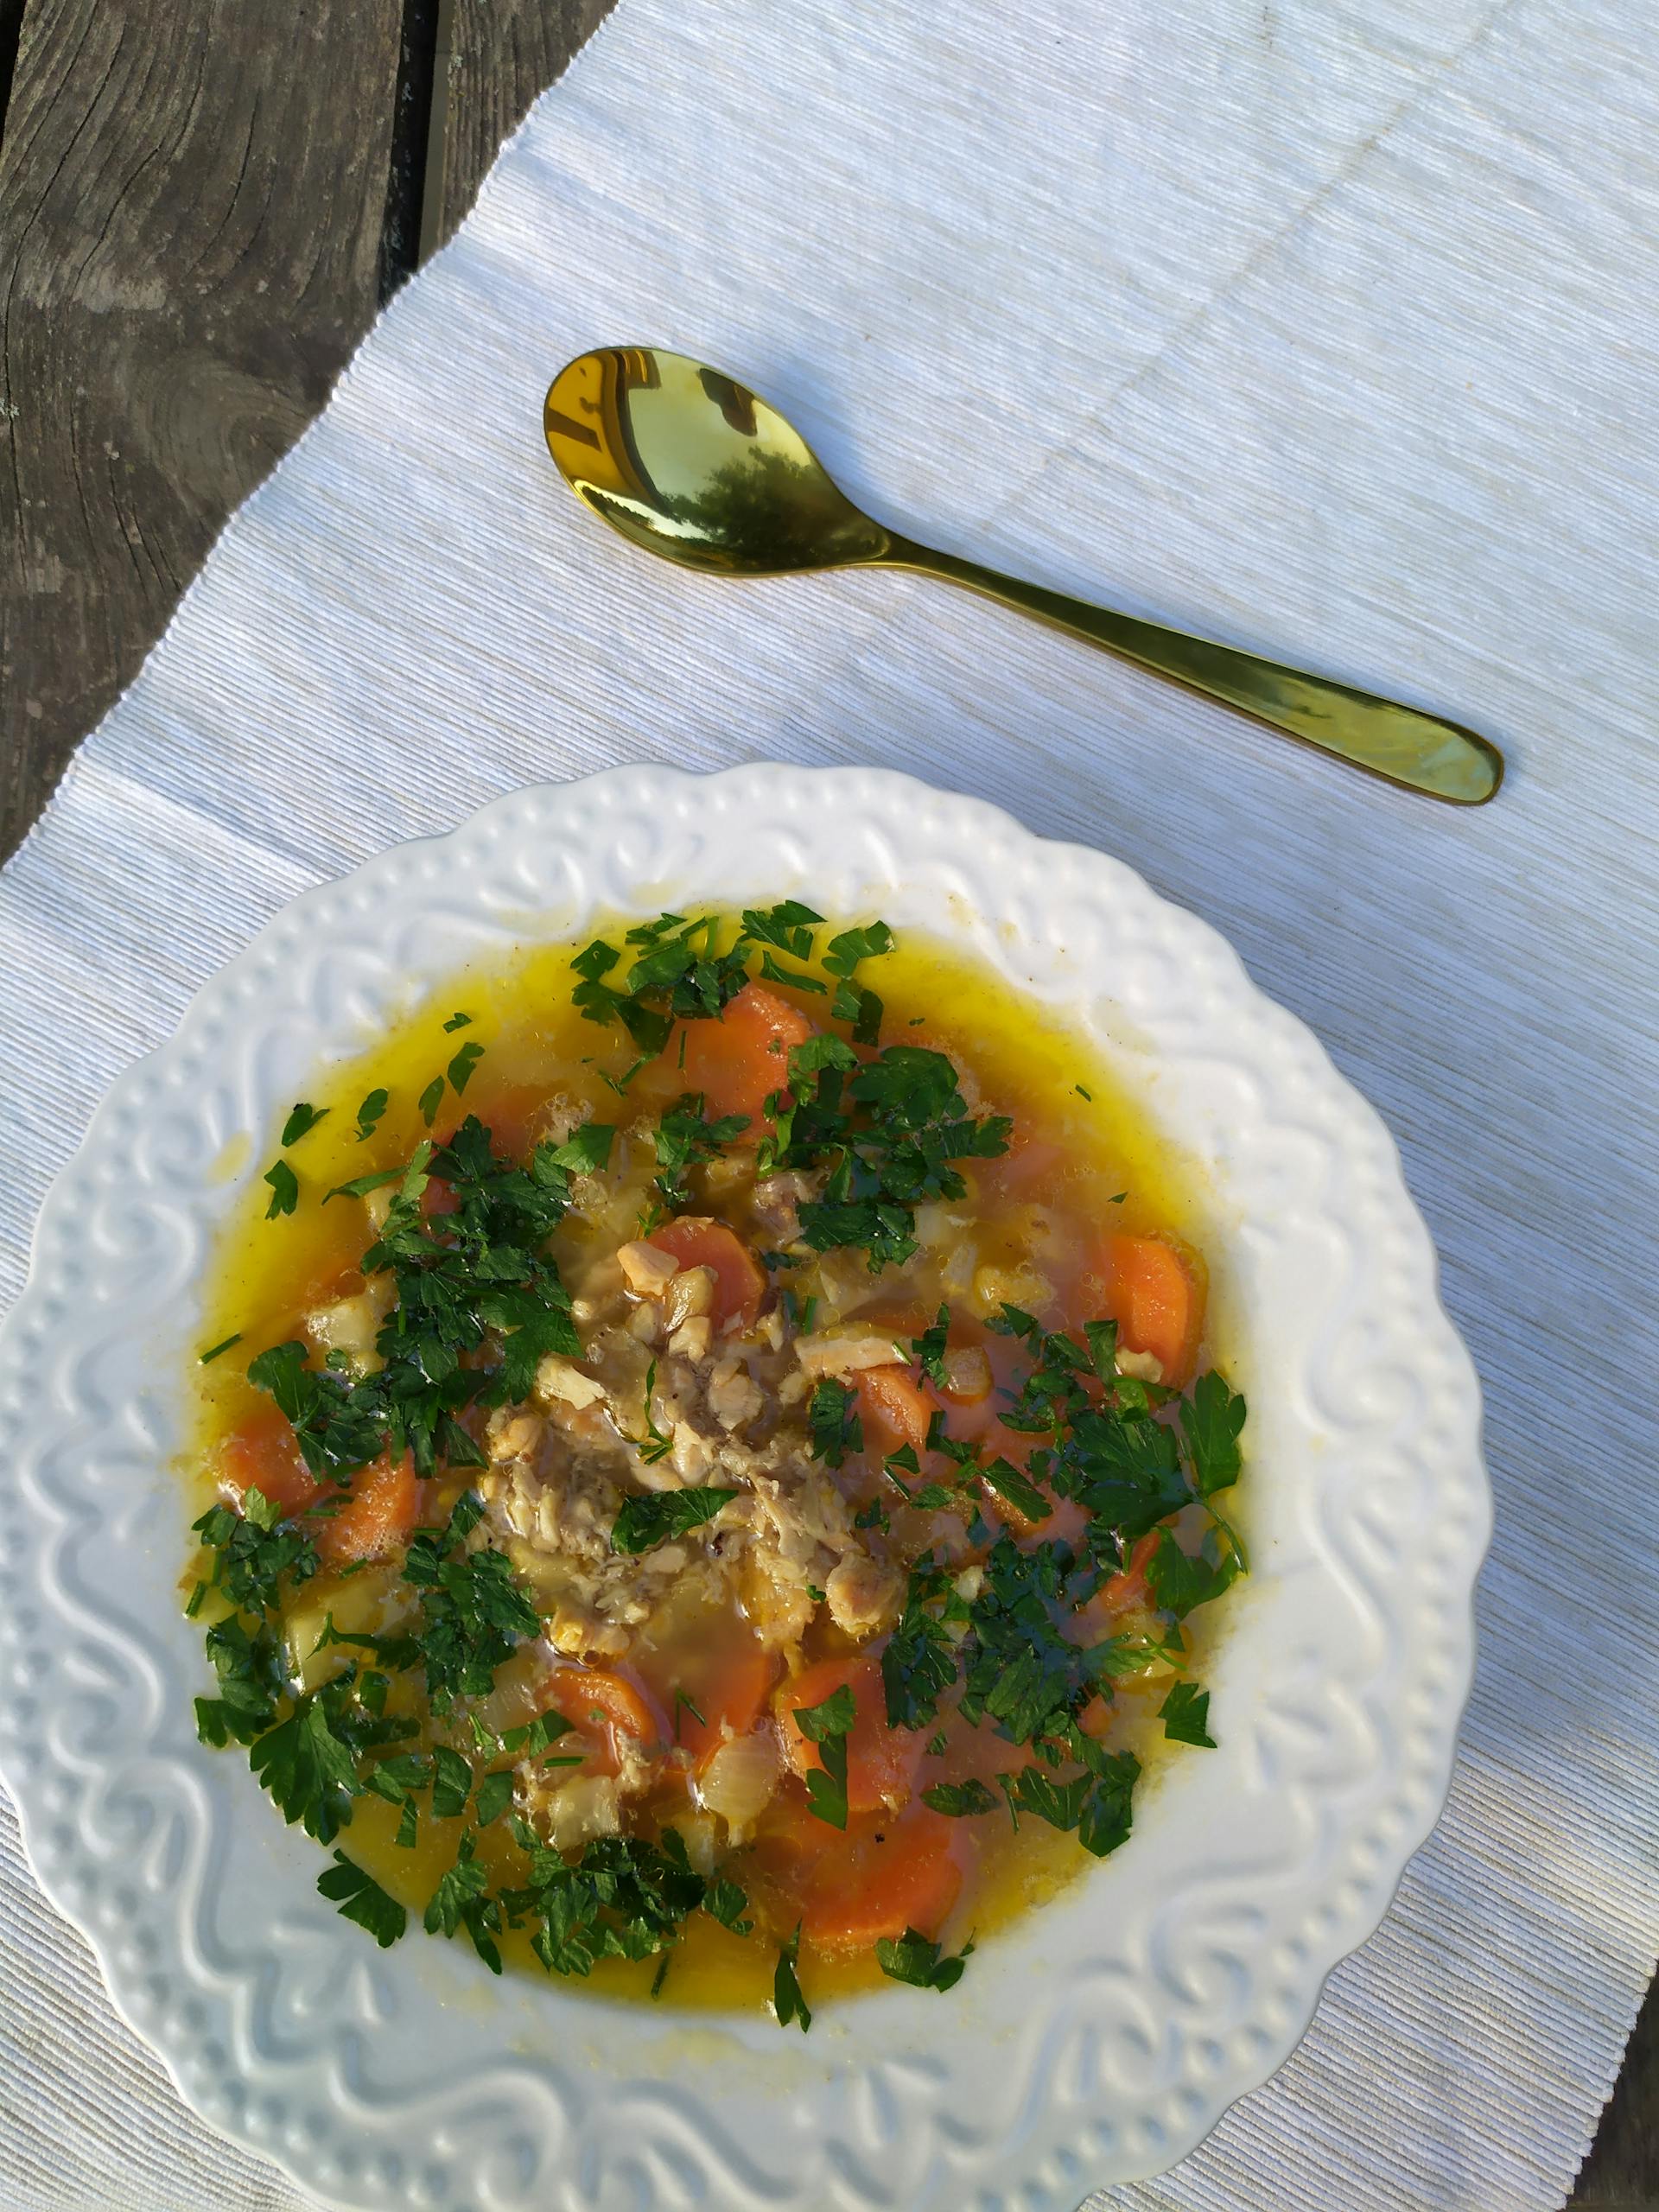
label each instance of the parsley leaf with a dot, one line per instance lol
(452, 1783)
(928, 1351)
(834, 1425)
(309, 1771)
(459, 1021)
(962, 1800)
(1210, 1421)
(459, 1901)
(493, 1796)
(461, 1068)
(1179, 1581)
(430, 1099)
(285, 1190)
(369, 1113)
(1018, 1489)
(845, 951)
(301, 1118)
(684, 1139)
(787, 2001)
(362, 1899)
(827, 1724)
(912, 1958)
(787, 925)
(1185, 1715)
(651, 1517)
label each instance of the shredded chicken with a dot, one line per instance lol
(846, 1352)
(557, 1379)
(646, 1271)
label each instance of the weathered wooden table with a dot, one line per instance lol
(203, 204)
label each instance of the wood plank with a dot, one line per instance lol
(1622, 2172)
(494, 56)
(191, 211)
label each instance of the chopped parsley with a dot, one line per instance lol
(833, 1420)
(370, 1112)
(682, 1139)
(474, 1612)
(1185, 1715)
(623, 1897)
(962, 1800)
(912, 1958)
(652, 1516)
(214, 1351)
(301, 1118)
(285, 1190)
(461, 1068)
(828, 1725)
(787, 2001)
(361, 1897)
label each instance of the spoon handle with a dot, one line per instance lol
(1407, 746)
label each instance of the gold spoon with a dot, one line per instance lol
(692, 464)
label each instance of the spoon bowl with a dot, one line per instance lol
(688, 463)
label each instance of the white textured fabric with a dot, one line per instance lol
(1326, 324)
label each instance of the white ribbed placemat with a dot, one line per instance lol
(1328, 325)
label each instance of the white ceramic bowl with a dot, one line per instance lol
(1098, 2039)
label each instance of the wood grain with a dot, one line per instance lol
(1622, 2172)
(494, 56)
(191, 208)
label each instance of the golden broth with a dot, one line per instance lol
(1081, 1150)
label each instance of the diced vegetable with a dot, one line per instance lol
(889, 1398)
(892, 1875)
(263, 1454)
(1154, 1291)
(377, 1519)
(1129, 1593)
(731, 1704)
(737, 1060)
(693, 1241)
(606, 1706)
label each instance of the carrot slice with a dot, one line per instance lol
(739, 1057)
(896, 1874)
(1129, 1592)
(881, 1761)
(694, 1241)
(263, 1454)
(593, 1696)
(377, 1516)
(731, 1703)
(889, 1398)
(1154, 1292)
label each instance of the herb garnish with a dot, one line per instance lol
(787, 2001)
(369, 1113)
(912, 1958)
(652, 1516)
(1185, 1715)
(828, 1725)
(285, 1190)
(361, 1899)
(301, 1118)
